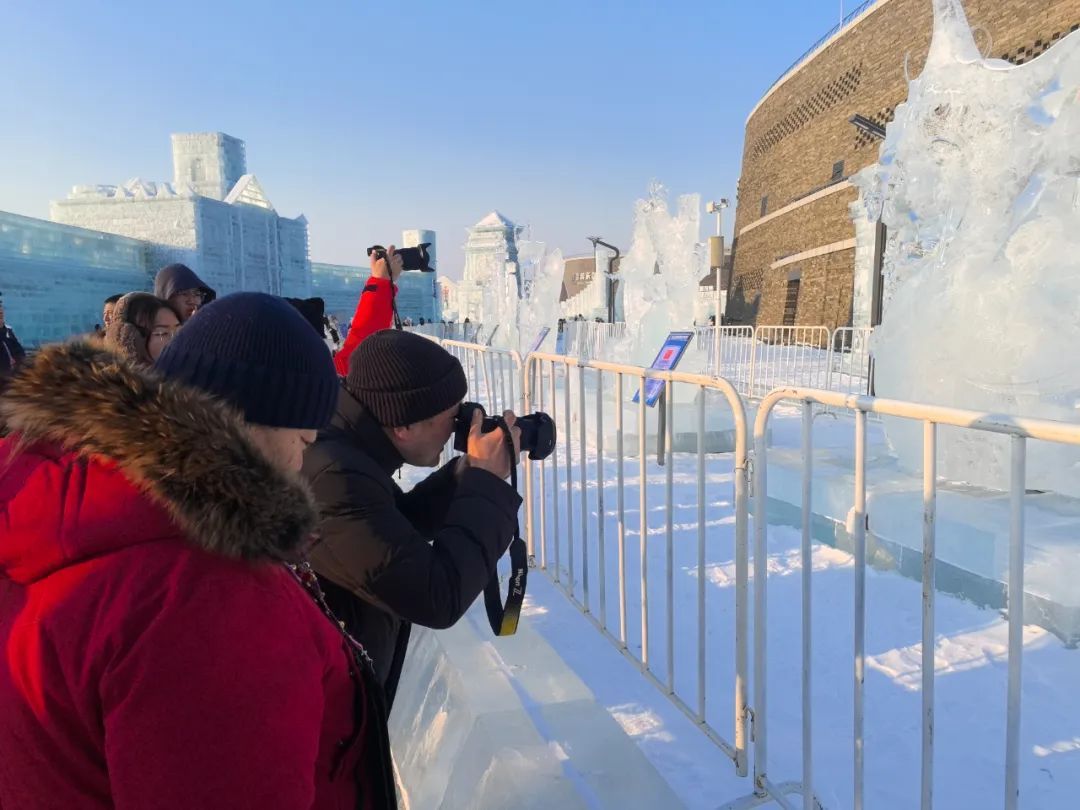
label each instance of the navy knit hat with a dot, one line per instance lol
(259, 354)
(402, 378)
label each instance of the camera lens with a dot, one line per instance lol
(537, 435)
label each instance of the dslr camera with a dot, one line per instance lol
(414, 258)
(537, 430)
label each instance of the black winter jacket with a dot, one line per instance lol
(389, 558)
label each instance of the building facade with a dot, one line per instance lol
(214, 217)
(795, 241)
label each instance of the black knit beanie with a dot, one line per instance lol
(259, 354)
(402, 378)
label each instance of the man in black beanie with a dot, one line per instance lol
(389, 558)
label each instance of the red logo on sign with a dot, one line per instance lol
(668, 354)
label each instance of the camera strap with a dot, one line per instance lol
(393, 305)
(503, 617)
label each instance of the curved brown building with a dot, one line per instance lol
(794, 243)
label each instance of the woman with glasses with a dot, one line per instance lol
(141, 327)
(185, 291)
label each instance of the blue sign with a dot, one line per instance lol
(666, 360)
(540, 338)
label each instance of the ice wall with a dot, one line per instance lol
(660, 273)
(978, 186)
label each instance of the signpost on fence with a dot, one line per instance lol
(666, 360)
(539, 340)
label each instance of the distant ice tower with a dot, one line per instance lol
(419, 293)
(490, 276)
(212, 163)
(416, 236)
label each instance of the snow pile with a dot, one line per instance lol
(668, 244)
(978, 186)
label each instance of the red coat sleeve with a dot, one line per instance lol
(218, 702)
(374, 311)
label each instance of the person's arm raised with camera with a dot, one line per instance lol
(375, 309)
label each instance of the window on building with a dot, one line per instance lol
(765, 205)
(791, 301)
(838, 171)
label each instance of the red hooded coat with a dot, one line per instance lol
(154, 651)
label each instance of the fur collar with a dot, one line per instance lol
(181, 446)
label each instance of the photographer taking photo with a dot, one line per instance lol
(389, 558)
(375, 309)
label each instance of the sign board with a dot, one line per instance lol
(540, 338)
(666, 360)
(560, 342)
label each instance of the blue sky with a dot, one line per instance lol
(370, 117)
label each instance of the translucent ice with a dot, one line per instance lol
(540, 307)
(660, 273)
(977, 184)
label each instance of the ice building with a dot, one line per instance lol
(214, 216)
(491, 277)
(54, 278)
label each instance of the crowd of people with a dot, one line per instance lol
(208, 574)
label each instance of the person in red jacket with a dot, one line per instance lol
(374, 310)
(161, 645)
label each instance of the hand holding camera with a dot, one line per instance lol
(487, 451)
(386, 263)
(481, 438)
(414, 258)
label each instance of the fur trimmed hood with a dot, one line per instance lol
(186, 450)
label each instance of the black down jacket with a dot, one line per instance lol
(389, 558)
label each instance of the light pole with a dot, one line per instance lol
(609, 281)
(718, 271)
(718, 209)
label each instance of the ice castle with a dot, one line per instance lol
(214, 216)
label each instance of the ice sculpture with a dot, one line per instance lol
(978, 186)
(660, 273)
(540, 307)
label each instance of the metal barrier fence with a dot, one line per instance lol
(468, 333)
(757, 359)
(1020, 429)
(560, 513)
(562, 386)
(494, 375)
(589, 339)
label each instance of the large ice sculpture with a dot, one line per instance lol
(540, 307)
(660, 273)
(978, 186)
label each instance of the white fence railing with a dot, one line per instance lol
(588, 339)
(1021, 430)
(602, 557)
(757, 359)
(562, 511)
(494, 375)
(466, 332)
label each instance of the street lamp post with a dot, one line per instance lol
(609, 280)
(718, 209)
